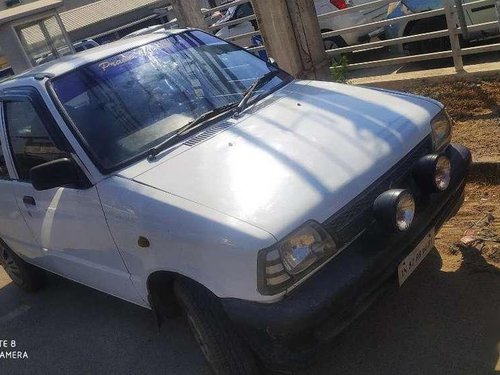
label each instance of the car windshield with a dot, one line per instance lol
(126, 104)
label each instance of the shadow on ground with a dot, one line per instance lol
(437, 323)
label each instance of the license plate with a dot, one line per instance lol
(411, 262)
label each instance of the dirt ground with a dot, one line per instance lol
(475, 108)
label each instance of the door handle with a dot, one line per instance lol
(30, 201)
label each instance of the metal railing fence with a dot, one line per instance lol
(235, 38)
(449, 10)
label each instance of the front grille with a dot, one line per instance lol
(354, 217)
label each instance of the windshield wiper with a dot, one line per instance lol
(258, 83)
(205, 117)
(198, 121)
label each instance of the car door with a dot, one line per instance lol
(482, 13)
(13, 228)
(68, 222)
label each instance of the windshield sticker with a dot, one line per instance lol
(118, 60)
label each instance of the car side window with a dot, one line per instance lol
(29, 140)
(4, 173)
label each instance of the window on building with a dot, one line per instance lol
(44, 40)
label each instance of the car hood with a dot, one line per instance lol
(301, 154)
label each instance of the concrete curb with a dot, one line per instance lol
(404, 80)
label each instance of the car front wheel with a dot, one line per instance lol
(219, 342)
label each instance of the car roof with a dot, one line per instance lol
(71, 62)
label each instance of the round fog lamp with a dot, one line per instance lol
(395, 209)
(405, 211)
(433, 173)
(442, 174)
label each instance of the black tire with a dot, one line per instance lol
(332, 43)
(24, 275)
(219, 342)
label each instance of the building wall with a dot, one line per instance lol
(109, 24)
(101, 24)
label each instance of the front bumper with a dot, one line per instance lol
(331, 298)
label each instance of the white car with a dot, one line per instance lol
(177, 170)
(473, 15)
(377, 13)
(326, 24)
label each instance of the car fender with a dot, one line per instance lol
(157, 231)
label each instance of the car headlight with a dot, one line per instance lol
(290, 259)
(441, 131)
(433, 173)
(395, 209)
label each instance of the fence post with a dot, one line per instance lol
(461, 19)
(308, 35)
(189, 14)
(451, 21)
(276, 29)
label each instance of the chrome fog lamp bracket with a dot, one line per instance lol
(395, 209)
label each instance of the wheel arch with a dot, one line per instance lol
(161, 295)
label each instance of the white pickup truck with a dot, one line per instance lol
(182, 173)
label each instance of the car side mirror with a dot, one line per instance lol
(56, 173)
(272, 62)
